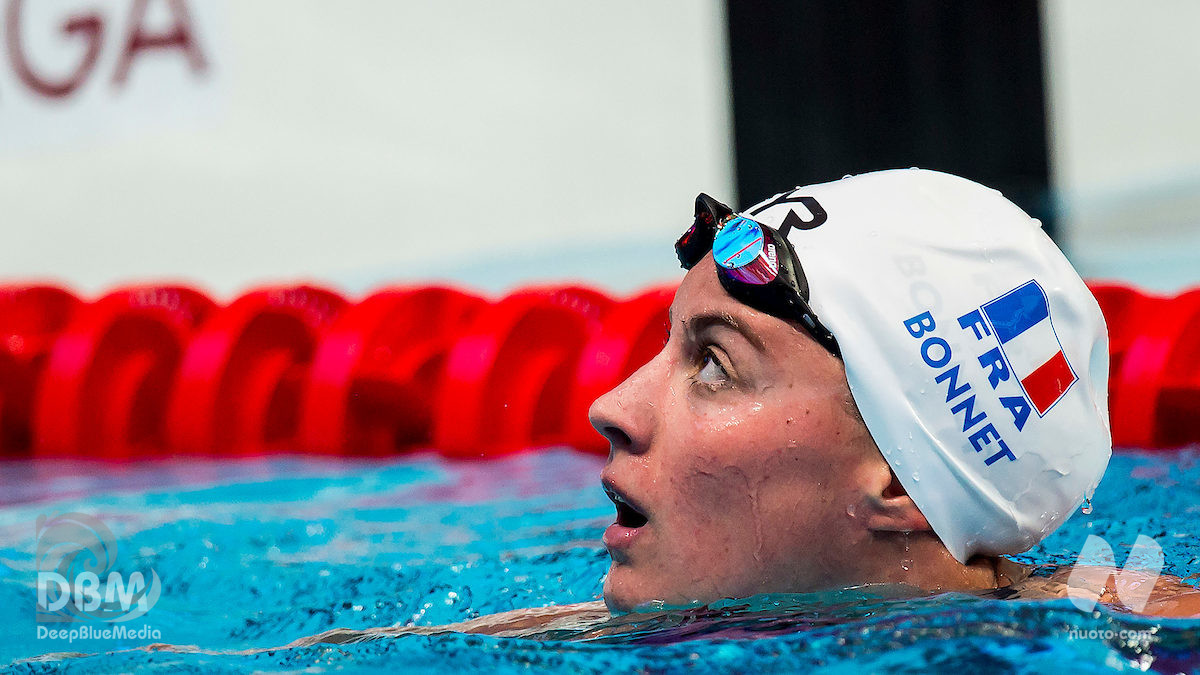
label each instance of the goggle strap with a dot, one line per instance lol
(713, 209)
(698, 240)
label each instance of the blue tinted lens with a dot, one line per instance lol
(738, 243)
(741, 248)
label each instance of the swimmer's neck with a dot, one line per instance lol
(920, 559)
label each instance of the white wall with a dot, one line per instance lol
(496, 143)
(1124, 98)
(358, 143)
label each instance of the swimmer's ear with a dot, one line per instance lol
(894, 511)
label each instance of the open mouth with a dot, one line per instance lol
(627, 514)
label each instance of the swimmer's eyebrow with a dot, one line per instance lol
(700, 322)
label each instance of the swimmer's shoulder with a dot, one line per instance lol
(1170, 597)
(513, 623)
(519, 622)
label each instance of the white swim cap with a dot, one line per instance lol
(978, 357)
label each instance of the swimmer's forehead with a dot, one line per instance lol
(693, 324)
(702, 304)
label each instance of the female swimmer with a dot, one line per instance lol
(894, 378)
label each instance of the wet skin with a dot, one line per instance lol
(740, 465)
(752, 472)
(740, 445)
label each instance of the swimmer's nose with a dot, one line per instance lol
(609, 428)
(619, 417)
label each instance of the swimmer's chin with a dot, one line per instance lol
(618, 595)
(619, 602)
(618, 606)
(622, 597)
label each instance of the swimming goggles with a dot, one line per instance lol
(755, 263)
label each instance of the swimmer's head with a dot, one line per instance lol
(966, 416)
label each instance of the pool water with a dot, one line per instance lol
(256, 553)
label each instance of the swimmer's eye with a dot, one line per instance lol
(711, 371)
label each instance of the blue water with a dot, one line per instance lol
(257, 553)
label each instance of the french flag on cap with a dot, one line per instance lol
(1020, 320)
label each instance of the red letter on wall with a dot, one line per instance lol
(179, 36)
(88, 25)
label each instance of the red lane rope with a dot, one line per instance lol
(160, 370)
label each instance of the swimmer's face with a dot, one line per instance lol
(741, 457)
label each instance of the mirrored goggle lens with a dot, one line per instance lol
(742, 248)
